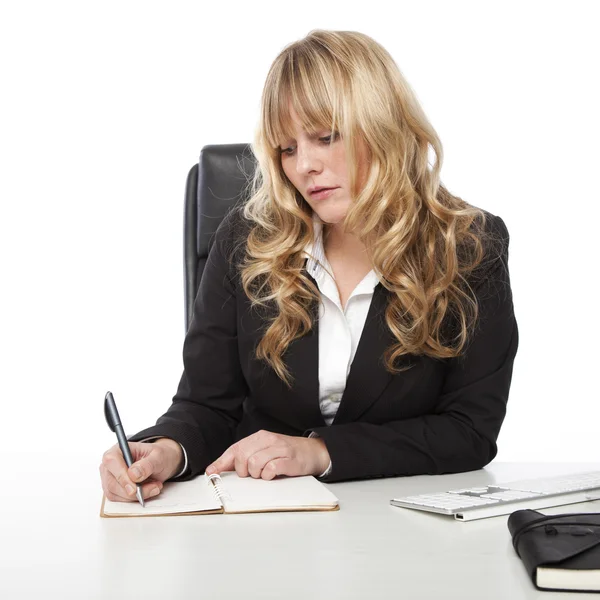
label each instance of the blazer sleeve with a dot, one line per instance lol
(460, 435)
(208, 404)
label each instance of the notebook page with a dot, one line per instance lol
(246, 494)
(175, 497)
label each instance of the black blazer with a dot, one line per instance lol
(440, 416)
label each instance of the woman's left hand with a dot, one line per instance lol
(264, 455)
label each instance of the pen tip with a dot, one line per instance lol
(139, 496)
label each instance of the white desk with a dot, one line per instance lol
(368, 549)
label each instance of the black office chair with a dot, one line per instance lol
(214, 185)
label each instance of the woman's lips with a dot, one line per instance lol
(325, 193)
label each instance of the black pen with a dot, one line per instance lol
(114, 422)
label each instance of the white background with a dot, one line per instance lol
(105, 107)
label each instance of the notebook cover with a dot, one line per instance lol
(555, 544)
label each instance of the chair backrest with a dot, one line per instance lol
(214, 185)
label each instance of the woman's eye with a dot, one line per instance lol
(328, 138)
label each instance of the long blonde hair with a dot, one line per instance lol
(422, 240)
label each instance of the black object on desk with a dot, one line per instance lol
(560, 552)
(114, 422)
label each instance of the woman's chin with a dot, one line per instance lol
(331, 217)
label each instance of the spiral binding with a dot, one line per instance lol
(217, 484)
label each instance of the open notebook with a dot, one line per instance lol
(228, 493)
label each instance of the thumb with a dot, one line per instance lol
(147, 462)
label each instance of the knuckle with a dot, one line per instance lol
(145, 466)
(265, 435)
(157, 468)
(152, 465)
(110, 487)
(114, 497)
(122, 480)
(238, 452)
(110, 458)
(241, 467)
(157, 453)
(111, 491)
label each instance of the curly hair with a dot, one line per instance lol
(422, 241)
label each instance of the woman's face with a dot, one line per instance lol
(310, 161)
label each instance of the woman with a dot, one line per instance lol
(275, 379)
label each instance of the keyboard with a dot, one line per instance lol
(467, 504)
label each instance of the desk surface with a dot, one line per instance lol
(368, 549)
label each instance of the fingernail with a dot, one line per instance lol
(129, 489)
(136, 472)
(210, 470)
(154, 492)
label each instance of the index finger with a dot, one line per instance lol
(235, 458)
(225, 462)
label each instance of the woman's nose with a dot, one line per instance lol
(308, 160)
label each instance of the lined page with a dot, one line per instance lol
(176, 497)
(246, 494)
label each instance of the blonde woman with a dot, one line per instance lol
(354, 319)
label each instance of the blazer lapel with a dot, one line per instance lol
(368, 376)
(302, 360)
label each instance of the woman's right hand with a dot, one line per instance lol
(153, 463)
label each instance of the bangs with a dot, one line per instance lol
(304, 83)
